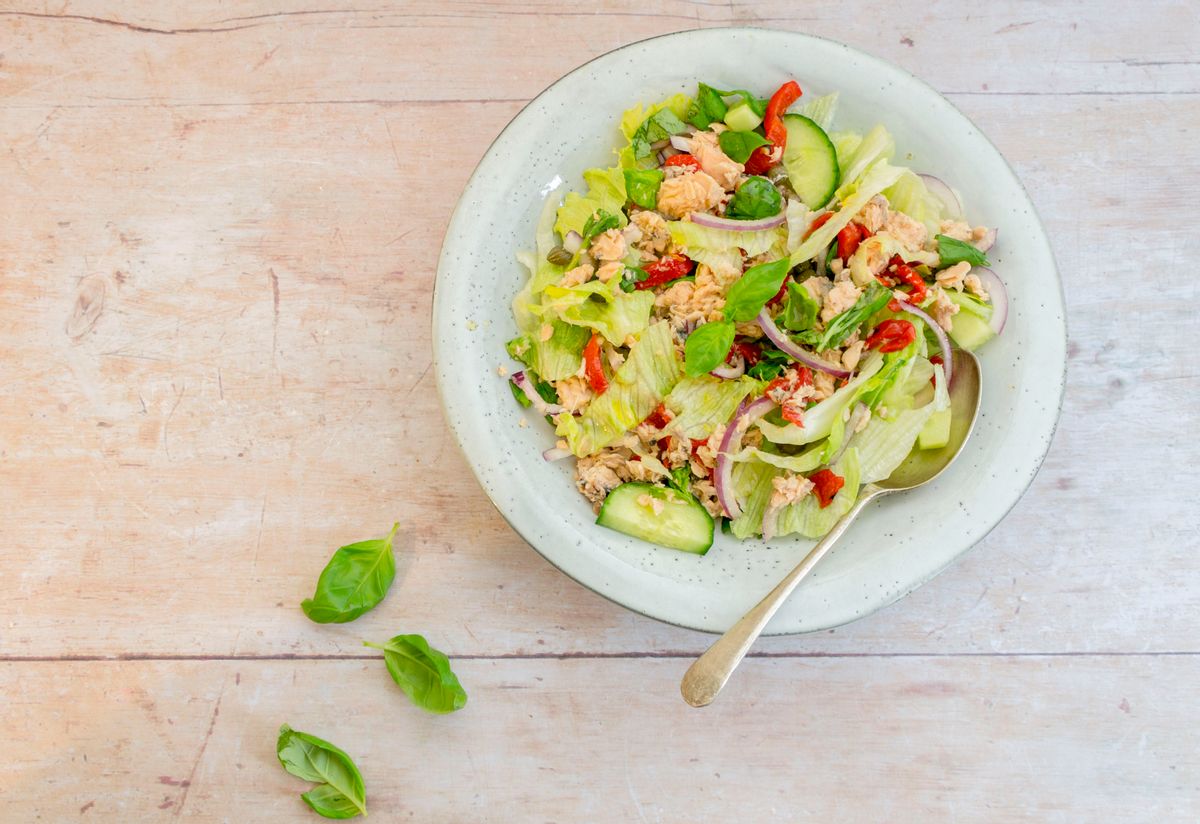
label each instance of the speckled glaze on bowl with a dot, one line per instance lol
(897, 544)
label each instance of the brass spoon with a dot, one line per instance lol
(708, 673)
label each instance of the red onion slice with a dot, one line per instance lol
(714, 222)
(523, 383)
(939, 333)
(745, 415)
(788, 347)
(998, 294)
(681, 142)
(731, 371)
(572, 241)
(987, 241)
(556, 454)
(943, 193)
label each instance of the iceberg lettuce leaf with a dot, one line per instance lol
(807, 518)
(820, 110)
(637, 387)
(819, 421)
(876, 146)
(700, 403)
(752, 486)
(600, 306)
(911, 196)
(885, 443)
(560, 356)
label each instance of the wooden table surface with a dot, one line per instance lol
(218, 231)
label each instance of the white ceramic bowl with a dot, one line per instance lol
(898, 543)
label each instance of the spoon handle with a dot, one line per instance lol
(708, 673)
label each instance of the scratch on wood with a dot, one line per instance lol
(86, 807)
(1015, 26)
(275, 308)
(266, 58)
(171, 414)
(186, 784)
(89, 303)
(392, 140)
(83, 18)
(420, 378)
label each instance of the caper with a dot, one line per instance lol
(559, 256)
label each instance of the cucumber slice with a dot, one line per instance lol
(682, 523)
(936, 432)
(810, 161)
(742, 118)
(970, 331)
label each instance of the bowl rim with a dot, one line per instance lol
(455, 215)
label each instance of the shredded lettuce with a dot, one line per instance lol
(884, 444)
(845, 144)
(877, 145)
(911, 196)
(603, 307)
(560, 356)
(798, 221)
(638, 386)
(820, 110)
(752, 485)
(700, 403)
(819, 421)
(720, 249)
(807, 518)
(806, 461)
(632, 119)
(877, 178)
(606, 191)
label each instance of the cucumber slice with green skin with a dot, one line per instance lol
(742, 118)
(682, 523)
(970, 331)
(936, 432)
(810, 160)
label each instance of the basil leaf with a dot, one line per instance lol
(952, 251)
(658, 126)
(841, 326)
(707, 108)
(600, 222)
(641, 185)
(758, 104)
(707, 347)
(632, 276)
(756, 198)
(740, 145)
(800, 312)
(353, 582)
(340, 792)
(750, 293)
(423, 673)
(681, 479)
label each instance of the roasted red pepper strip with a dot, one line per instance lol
(749, 352)
(759, 162)
(665, 270)
(825, 485)
(849, 237)
(817, 224)
(892, 335)
(592, 366)
(784, 97)
(683, 160)
(659, 418)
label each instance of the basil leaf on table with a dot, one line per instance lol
(340, 792)
(756, 198)
(740, 145)
(354, 581)
(707, 347)
(841, 326)
(423, 673)
(708, 107)
(801, 310)
(952, 251)
(641, 185)
(750, 293)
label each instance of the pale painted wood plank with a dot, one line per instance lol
(97, 52)
(183, 462)
(999, 739)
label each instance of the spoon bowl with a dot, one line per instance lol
(708, 673)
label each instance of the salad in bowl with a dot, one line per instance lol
(747, 317)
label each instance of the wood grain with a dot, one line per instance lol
(220, 227)
(869, 739)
